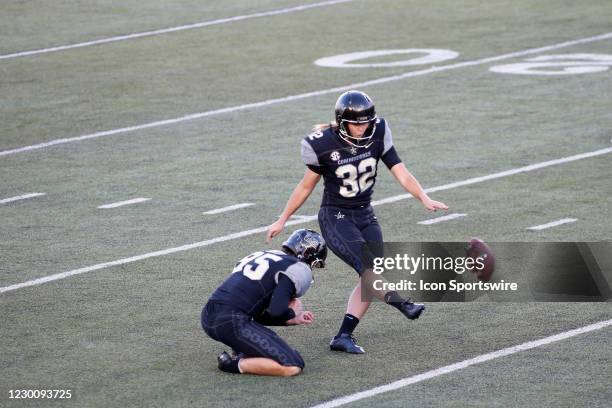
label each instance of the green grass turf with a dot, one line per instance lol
(130, 335)
(572, 371)
(196, 166)
(39, 24)
(97, 88)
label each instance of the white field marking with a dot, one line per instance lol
(228, 208)
(122, 203)
(269, 102)
(21, 197)
(463, 364)
(566, 64)
(500, 174)
(303, 220)
(171, 29)
(301, 217)
(552, 224)
(136, 258)
(343, 61)
(441, 219)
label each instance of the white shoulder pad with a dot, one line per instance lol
(301, 276)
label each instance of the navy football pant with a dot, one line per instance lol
(354, 235)
(239, 331)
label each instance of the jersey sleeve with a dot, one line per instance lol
(309, 157)
(389, 156)
(278, 312)
(301, 276)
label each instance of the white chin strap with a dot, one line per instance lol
(349, 139)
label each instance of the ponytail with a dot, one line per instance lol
(324, 126)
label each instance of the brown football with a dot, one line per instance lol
(484, 266)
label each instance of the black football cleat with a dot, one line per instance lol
(346, 342)
(227, 363)
(411, 310)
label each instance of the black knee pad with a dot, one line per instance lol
(296, 360)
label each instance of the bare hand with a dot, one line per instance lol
(433, 205)
(296, 305)
(307, 317)
(274, 230)
(302, 318)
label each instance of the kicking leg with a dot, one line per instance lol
(359, 302)
(406, 307)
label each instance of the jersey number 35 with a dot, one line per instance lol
(260, 261)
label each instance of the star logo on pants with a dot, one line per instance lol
(339, 216)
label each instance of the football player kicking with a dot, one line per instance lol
(346, 153)
(263, 290)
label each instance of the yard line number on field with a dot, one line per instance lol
(286, 99)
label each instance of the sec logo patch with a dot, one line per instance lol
(335, 156)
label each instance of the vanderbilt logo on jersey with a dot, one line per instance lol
(335, 156)
(353, 150)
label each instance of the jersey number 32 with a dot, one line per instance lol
(358, 178)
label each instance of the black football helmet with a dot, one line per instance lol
(308, 246)
(356, 107)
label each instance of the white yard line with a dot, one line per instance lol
(122, 203)
(228, 208)
(552, 224)
(269, 102)
(21, 197)
(501, 174)
(463, 364)
(170, 29)
(441, 219)
(302, 217)
(304, 220)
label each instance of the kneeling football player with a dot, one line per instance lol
(263, 290)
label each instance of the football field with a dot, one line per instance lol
(123, 123)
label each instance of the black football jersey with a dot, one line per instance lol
(254, 278)
(349, 173)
